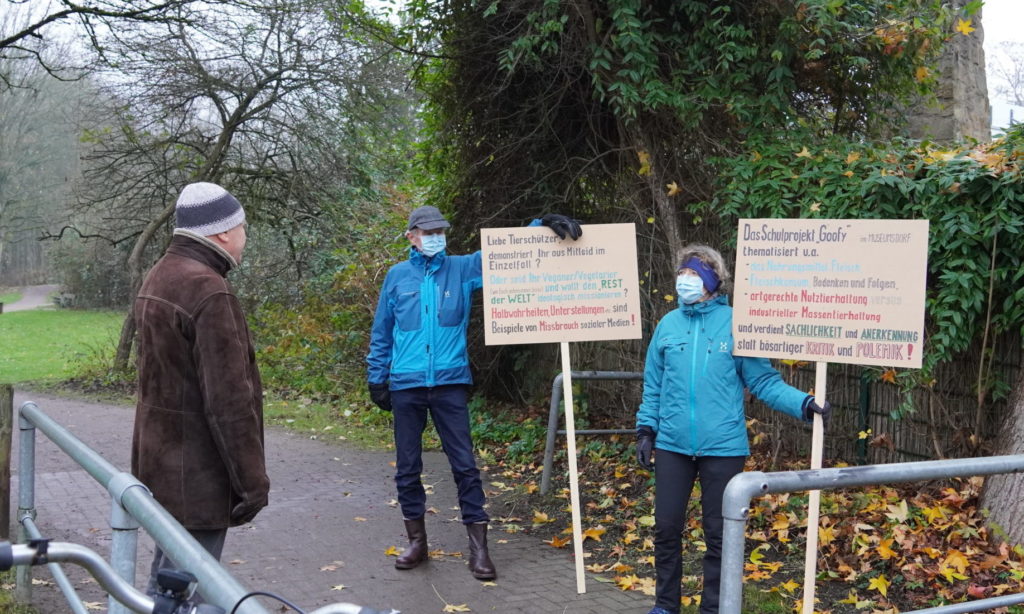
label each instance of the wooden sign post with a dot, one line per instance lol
(542, 289)
(821, 290)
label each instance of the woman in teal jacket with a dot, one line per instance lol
(692, 413)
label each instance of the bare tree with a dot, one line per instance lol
(1007, 68)
(25, 31)
(240, 95)
(38, 156)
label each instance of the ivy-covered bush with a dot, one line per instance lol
(973, 196)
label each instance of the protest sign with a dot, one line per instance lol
(850, 291)
(542, 289)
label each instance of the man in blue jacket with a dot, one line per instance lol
(418, 364)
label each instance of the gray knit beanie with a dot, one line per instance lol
(207, 209)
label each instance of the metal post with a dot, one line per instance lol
(735, 508)
(742, 488)
(549, 447)
(556, 398)
(125, 537)
(215, 583)
(26, 500)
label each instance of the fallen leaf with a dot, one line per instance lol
(392, 551)
(803, 153)
(451, 607)
(359, 519)
(489, 583)
(898, 513)
(673, 188)
(236, 562)
(338, 587)
(94, 605)
(880, 584)
(558, 542)
(594, 533)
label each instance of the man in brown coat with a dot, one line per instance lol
(198, 440)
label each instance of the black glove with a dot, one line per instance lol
(246, 510)
(562, 225)
(380, 394)
(645, 446)
(811, 408)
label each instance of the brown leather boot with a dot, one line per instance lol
(480, 564)
(416, 553)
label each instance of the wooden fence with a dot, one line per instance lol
(946, 421)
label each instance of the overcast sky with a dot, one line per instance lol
(1003, 20)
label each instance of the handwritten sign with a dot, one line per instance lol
(542, 289)
(850, 291)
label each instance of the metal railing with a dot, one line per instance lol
(745, 486)
(553, 411)
(132, 506)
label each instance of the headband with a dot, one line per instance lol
(708, 276)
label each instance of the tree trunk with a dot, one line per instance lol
(127, 340)
(1002, 493)
(667, 212)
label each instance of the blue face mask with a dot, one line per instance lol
(432, 244)
(690, 289)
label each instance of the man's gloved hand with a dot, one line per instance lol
(811, 408)
(246, 510)
(562, 225)
(380, 394)
(645, 446)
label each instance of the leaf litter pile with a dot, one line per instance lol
(882, 549)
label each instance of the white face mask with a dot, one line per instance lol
(690, 289)
(432, 244)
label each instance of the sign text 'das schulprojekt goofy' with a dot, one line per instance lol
(850, 291)
(542, 289)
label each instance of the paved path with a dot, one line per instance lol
(329, 523)
(32, 297)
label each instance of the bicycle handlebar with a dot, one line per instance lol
(61, 552)
(41, 552)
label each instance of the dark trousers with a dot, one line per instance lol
(447, 408)
(674, 476)
(211, 540)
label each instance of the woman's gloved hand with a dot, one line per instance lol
(811, 408)
(645, 447)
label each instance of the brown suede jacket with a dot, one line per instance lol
(198, 440)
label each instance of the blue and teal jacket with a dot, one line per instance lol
(693, 385)
(419, 332)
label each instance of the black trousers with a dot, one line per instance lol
(674, 476)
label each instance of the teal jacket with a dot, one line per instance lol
(418, 337)
(693, 385)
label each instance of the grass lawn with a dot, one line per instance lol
(45, 345)
(9, 297)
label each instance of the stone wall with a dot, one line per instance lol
(962, 109)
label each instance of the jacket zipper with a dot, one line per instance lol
(430, 299)
(693, 391)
